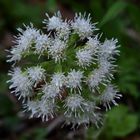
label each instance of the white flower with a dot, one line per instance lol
(56, 23)
(101, 75)
(77, 121)
(63, 30)
(74, 104)
(20, 82)
(109, 95)
(74, 79)
(88, 115)
(50, 91)
(93, 44)
(46, 109)
(109, 47)
(88, 54)
(95, 79)
(82, 25)
(41, 43)
(84, 57)
(106, 67)
(41, 108)
(23, 42)
(96, 119)
(58, 79)
(72, 64)
(36, 74)
(26, 37)
(33, 107)
(53, 22)
(15, 54)
(91, 107)
(57, 49)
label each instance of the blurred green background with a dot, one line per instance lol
(116, 18)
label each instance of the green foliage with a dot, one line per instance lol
(128, 78)
(120, 122)
(113, 12)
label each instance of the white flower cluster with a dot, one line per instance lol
(72, 73)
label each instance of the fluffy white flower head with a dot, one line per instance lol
(57, 49)
(93, 44)
(58, 79)
(27, 37)
(32, 106)
(109, 96)
(109, 47)
(82, 25)
(46, 110)
(53, 22)
(95, 79)
(20, 82)
(42, 43)
(63, 69)
(74, 79)
(73, 104)
(50, 91)
(36, 74)
(16, 54)
(84, 57)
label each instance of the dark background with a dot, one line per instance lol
(118, 19)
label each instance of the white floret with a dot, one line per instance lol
(46, 110)
(109, 47)
(106, 67)
(95, 79)
(23, 42)
(41, 108)
(109, 95)
(82, 25)
(74, 79)
(77, 121)
(84, 57)
(50, 91)
(41, 43)
(93, 44)
(33, 107)
(74, 104)
(57, 49)
(26, 37)
(53, 22)
(15, 54)
(87, 116)
(36, 74)
(96, 119)
(63, 31)
(58, 79)
(21, 84)
(56, 23)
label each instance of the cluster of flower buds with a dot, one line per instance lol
(64, 70)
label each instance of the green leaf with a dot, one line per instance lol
(121, 122)
(113, 12)
(128, 77)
